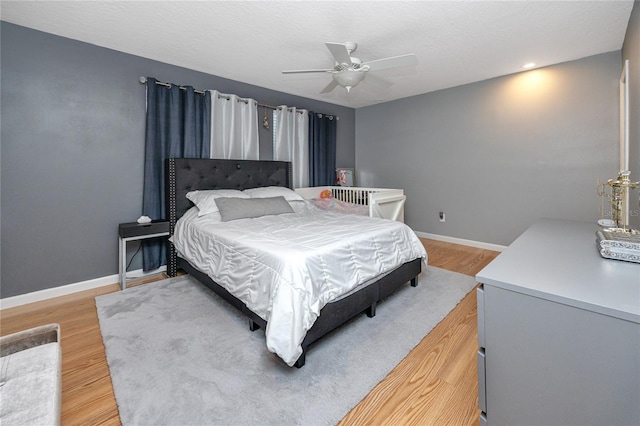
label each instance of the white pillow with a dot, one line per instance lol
(274, 191)
(206, 200)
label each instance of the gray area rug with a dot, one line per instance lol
(180, 355)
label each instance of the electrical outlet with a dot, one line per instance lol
(441, 216)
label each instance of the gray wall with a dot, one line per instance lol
(493, 155)
(498, 154)
(72, 152)
(631, 51)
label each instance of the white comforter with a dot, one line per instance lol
(285, 268)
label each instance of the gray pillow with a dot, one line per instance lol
(241, 208)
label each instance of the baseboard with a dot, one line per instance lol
(454, 240)
(50, 293)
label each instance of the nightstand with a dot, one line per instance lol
(133, 231)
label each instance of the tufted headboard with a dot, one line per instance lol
(189, 174)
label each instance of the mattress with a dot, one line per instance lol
(337, 206)
(287, 267)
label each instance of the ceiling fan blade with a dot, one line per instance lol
(392, 62)
(339, 52)
(330, 87)
(304, 71)
(377, 82)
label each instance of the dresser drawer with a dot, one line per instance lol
(482, 388)
(480, 297)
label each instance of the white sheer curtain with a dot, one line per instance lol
(291, 141)
(234, 127)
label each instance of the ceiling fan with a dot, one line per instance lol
(348, 70)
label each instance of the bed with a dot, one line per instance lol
(375, 202)
(184, 176)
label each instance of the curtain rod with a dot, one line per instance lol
(143, 80)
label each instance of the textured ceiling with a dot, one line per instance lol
(456, 42)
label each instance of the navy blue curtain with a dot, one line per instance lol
(322, 149)
(178, 125)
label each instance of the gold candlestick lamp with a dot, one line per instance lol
(617, 191)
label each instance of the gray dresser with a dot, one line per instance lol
(559, 332)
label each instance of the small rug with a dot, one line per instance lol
(180, 355)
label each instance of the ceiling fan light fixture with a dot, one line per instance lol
(348, 71)
(348, 78)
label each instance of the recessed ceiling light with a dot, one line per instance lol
(529, 65)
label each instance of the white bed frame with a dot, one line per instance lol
(384, 203)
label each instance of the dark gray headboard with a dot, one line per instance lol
(189, 174)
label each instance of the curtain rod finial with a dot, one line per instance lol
(143, 80)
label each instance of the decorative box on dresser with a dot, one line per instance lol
(559, 332)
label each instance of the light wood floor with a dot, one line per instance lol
(435, 384)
